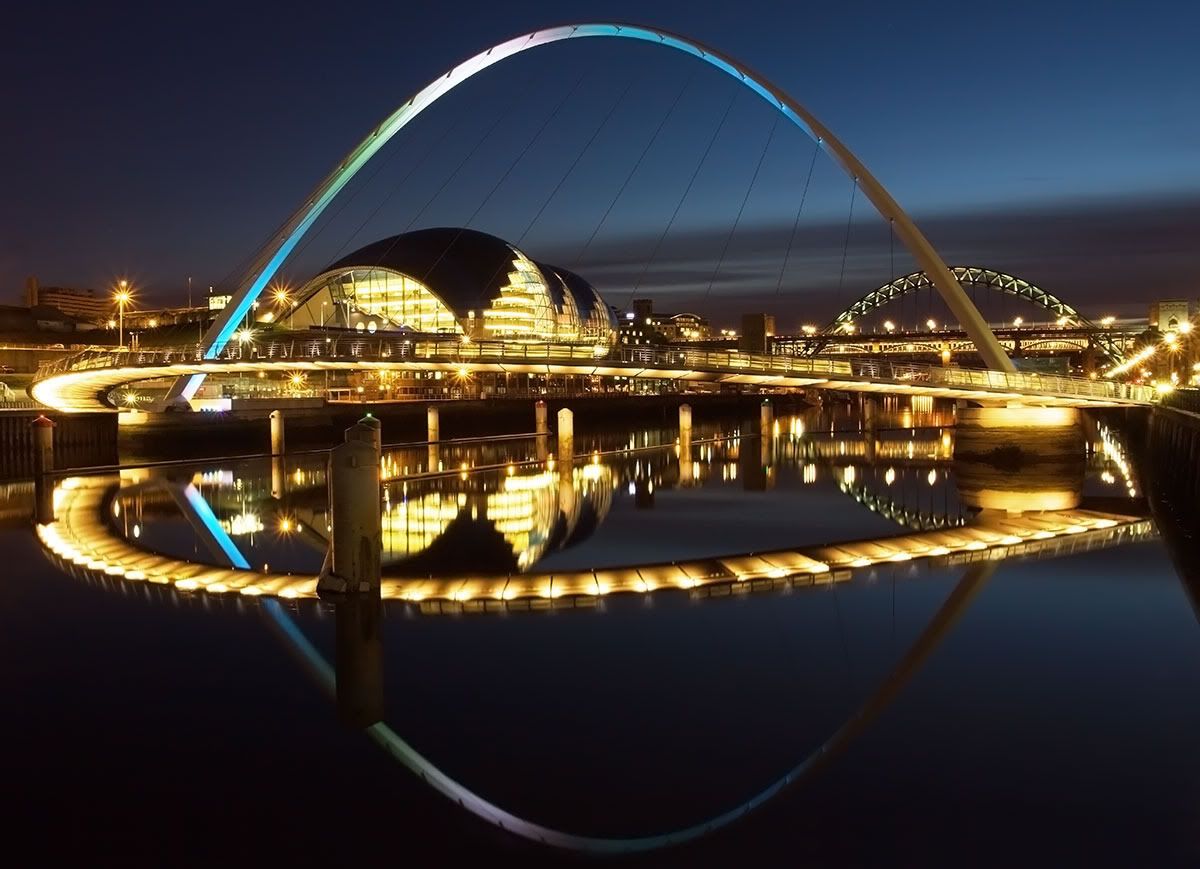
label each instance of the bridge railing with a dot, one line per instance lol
(310, 348)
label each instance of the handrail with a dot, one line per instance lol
(310, 348)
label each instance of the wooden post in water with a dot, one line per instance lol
(431, 421)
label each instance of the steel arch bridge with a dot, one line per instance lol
(975, 276)
(272, 255)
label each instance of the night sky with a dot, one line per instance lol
(1056, 141)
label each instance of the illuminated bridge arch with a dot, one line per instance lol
(272, 255)
(964, 275)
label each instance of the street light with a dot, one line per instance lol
(1017, 321)
(1107, 322)
(121, 297)
(889, 326)
(931, 324)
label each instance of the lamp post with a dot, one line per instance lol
(282, 298)
(122, 297)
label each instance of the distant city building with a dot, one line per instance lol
(1167, 314)
(668, 328)
(757, 330)
(88, 305)
(632, 331)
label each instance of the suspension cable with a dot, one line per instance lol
(595, 133)
(579, 157)
(504, 177)
(703, 157)
(637, 165)
(742, 208)
(396, 188)
(846, 240)
(796, 223)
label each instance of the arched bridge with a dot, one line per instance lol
(967, 276)
(971, 276)
(80, 383)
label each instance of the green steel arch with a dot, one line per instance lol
(966, 275)
(273, 254)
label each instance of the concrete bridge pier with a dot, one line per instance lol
(541, 427)
(566, 440)
(431, 425)
(685, 445)
(278, 478)
(277, 447)
(43, 463)
(1016, 459)
(870, 411)
(353, 564)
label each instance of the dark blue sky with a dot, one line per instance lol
(1058, 141)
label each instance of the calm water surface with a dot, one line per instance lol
(1042, 710)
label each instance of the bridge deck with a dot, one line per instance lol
(78, 383)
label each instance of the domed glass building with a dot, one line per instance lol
(453, 281)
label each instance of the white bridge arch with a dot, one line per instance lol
(273, 254)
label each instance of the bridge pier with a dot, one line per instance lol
(541, 427)
(1017, 459)
(356, 546)
(566, 440)
(277, 447)
(685, 445)
(43, 462)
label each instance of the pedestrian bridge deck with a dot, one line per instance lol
(78, 383)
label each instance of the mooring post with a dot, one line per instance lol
(766, 418)
(277, 433)
(566, 438)
(431, 421)
(357, 541)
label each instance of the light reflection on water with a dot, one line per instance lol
(641, 717)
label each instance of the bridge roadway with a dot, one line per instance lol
(79, 383)
(81, 536)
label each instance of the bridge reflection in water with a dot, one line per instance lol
(104, 527)
(469, 533)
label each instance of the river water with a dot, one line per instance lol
(1038, 708)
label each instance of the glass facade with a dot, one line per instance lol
(532, 304)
